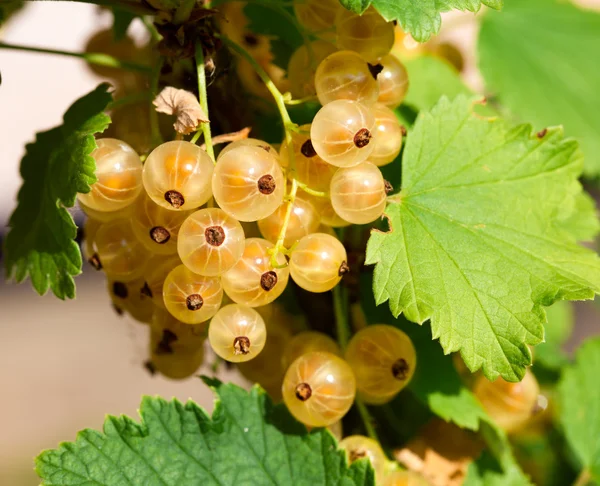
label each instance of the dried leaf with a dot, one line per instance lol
(184, 106)
(441, 453)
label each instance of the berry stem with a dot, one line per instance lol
(204, 99)
(98, 58)
(312, 192)
(342, 326)
(278, 248)
(154, 82)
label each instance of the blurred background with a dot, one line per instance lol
(64, 365)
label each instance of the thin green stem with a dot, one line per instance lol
(583, 479)
(154, 124)
(184, 11)
(312, 192)
(204, 99)
(299, 101)
(196, 136)
(91, 57)
(291, 197)
(342, 325)
(366, 418)
(151, 28)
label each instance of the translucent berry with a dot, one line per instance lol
(358, 194)
(302, 67)
(173, 335)
(307, 342)
(316, 15)
(191, 298)
(368, 34)
(388, 141)
(119, 174)
(157, 227)
(342, 133)
(383, 359)
(360, 447)
(210, 242)
(177, 175)
(329, 218)
(107, 216)
(237, 333)
(304, 220)
(122, 255)
(126, 296)
(177, 365)
(510, 405)
(344, 75)
(155, 273)
(248, 183)
(393, 81)
(311, 169)
(318, 262)
(319, 389)
(252, 281)
(253, 142)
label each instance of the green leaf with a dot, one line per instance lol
(247, 440)
(54, 169)
(277, 22)
(471, 244)
(582, 223)
(579, 396)
(121, 21)
(485, 471)
(8, 8)
(356, 6)
(422, 18)
(538, 57)
(558, 329)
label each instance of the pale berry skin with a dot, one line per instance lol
(253, 142)
(119, 174)
(311, 169)
(316, 15)
(157, 227)
(252, 281)
(237, 333)
(317, 263)
(176, 335)
(307, 342)
(302, 67)
(358, 193)
(122, 255)
(191, 298)
(329, 217)
(210, 242)
(304, 220)
(359, 447)
(108, 216)
(344, 75)
(510, 405)
(383, 359)
(342, 133)
(248, 183)
(393, 82)
(404, 478)
(388, 140)
(156, 272)
(368, 34)
(177, 175)
(319, 389)
(176, 365)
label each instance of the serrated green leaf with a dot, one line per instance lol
(356, 6)
(55, 168)
(121, 21)
(538, 57)
(277, 22)
(579, 395)
(485, 471)
(422, 18)
(558, 329)
(582, 223)
(247, 441)
(472, 245)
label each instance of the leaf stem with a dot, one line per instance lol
(204, 99)
(98, 58)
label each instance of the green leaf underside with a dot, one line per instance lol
(121, 22)
(473, 245)
(247, 441)
(55, 168)
(422, 18)
(538, 58)
(558, 329)
(579, 394)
